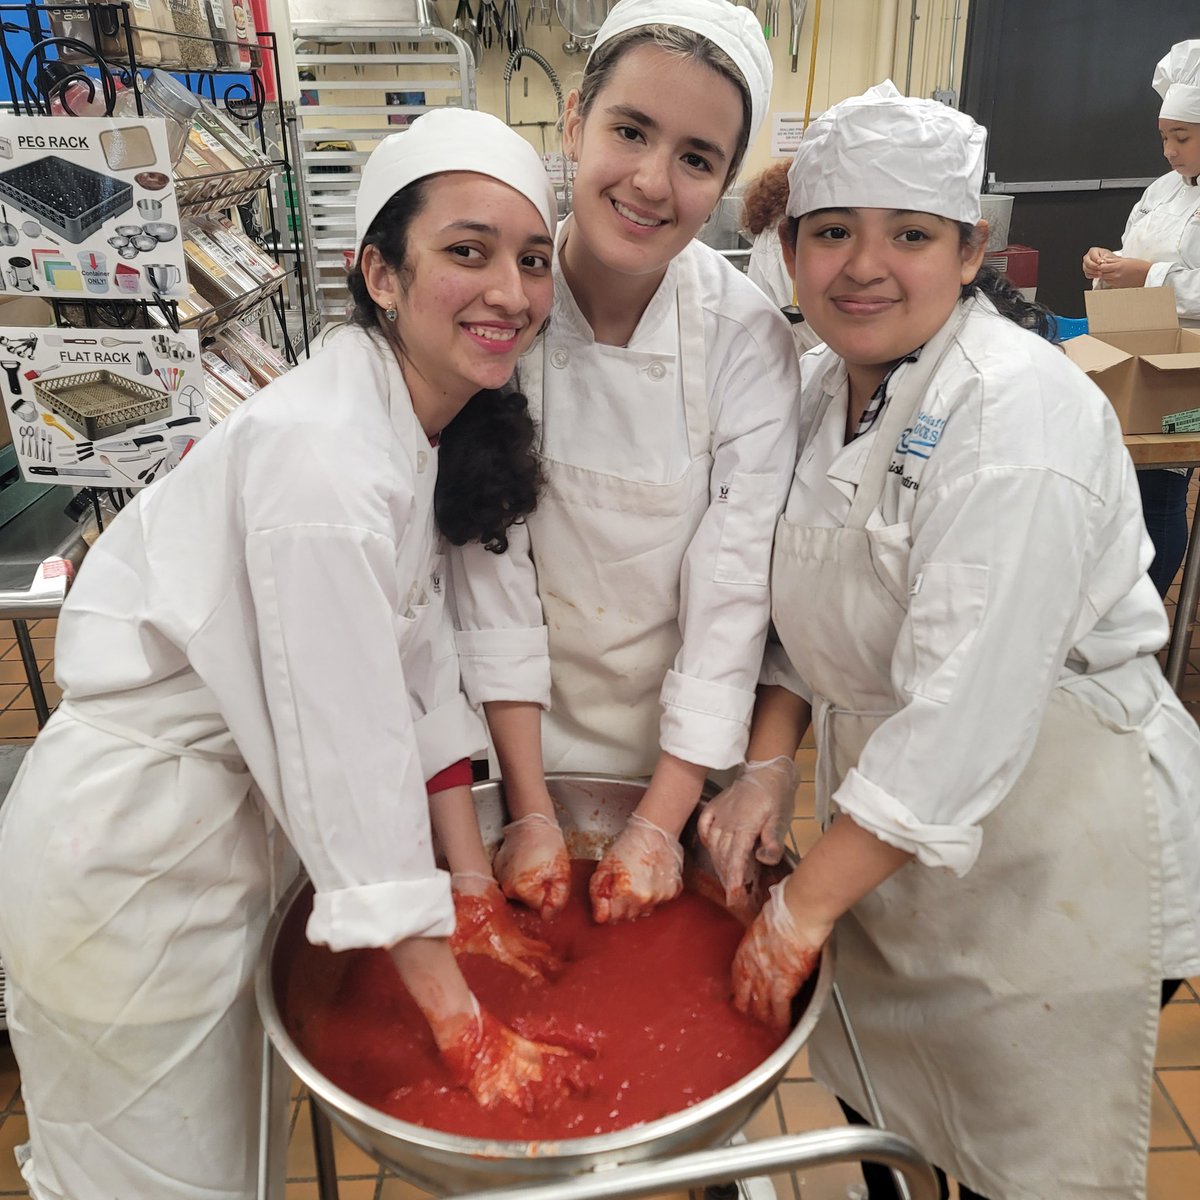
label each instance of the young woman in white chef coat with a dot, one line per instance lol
(231, 658)
(1008, 788)
(633, 605)
(1161, 247)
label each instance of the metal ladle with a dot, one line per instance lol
(8, 232)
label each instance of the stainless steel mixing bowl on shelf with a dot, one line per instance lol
(592, 810)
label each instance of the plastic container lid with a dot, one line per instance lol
(170, 96)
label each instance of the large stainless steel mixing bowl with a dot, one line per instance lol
(592, 810)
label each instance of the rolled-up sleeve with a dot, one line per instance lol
(503, 647)
(991, 616)
(708, 697)
(352, 782)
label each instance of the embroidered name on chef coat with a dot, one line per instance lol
(916, 442)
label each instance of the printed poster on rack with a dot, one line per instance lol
(105, 408)
(88, 209)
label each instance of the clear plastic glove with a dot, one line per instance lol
(642, 869)
(499, 1066)
(533, 866)
(749, 821)
(483, 924)
(772, 962)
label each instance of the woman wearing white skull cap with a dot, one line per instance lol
(633, 605)
(231, 657)
(1161, 247)
(1007, 786)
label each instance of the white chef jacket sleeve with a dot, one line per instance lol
(708, 697)
(447, 728)
(352, 783)
(1184, 275)
(991, 617)
(503, 646)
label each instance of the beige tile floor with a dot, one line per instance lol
(800, 1104)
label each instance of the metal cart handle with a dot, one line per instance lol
(818, 1149)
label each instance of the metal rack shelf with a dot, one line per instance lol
(358, 83)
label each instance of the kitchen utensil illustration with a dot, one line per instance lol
(148, 439)
(60, 339)
(22, 347)
(26, 433)
(93, 264)
(108, 462)
(31, 375)
(152, 181)
(8, 231)
(116, 341)
(164, 347)
(13, 370)
(31, 229)
(80, 472)
(161, 231)
(68, 199)
(147, 476)
(118, 241)
(143, 241)
(149, 209)
(128, 231)
(162, 276)
(24, 410)
(20, 274)
(128, 147)
(192, 398)
(55, 423)
(127, 251)
(99, 403)
(128, 279)
(143, 363)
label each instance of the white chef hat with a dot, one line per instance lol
(885, 150)
(733, 29)
(451, 139)
(1177, 81)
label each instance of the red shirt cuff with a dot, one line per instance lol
(455, 775)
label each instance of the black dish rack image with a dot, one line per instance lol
(67, 198)
(101, 403)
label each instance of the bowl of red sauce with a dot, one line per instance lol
(668, 1065)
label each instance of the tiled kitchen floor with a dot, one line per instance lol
(800, 1104)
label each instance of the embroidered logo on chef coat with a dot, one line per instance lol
(916, 442)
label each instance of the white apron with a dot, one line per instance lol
(1007, 1019)
(131, 964)
(609, 553)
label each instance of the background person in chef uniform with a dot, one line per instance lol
(1161, 247)
(1007, 786)
(633, 604)
(246, 627)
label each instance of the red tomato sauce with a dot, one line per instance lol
(646, 1002)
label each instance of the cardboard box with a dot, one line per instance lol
(1138, 356)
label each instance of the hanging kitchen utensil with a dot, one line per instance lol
(539, 13)
(799, 7)
(582, 20)
(510, 27)
(464, 26)
(9, 235)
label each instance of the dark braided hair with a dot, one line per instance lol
(489, 475)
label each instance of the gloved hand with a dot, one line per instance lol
(642, 869)
(532, 865)
(771, 963)
(498, 1065)
(755, 809)
(483, 924)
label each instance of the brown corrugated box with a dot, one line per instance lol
(1138, 356)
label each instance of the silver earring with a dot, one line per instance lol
(390, 312)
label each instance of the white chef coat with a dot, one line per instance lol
(1164, 229)
(752, 382)
(1002, 616)
(272, 612)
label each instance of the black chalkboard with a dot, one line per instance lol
(1064, 85)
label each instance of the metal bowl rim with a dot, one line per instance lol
(593, 1145)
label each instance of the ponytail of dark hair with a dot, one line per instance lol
(488, 469)
(489, 474)
(1009, 302)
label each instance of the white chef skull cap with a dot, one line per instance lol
(451, 139)
(732, 29)
(1177, 81)
(885, 150)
